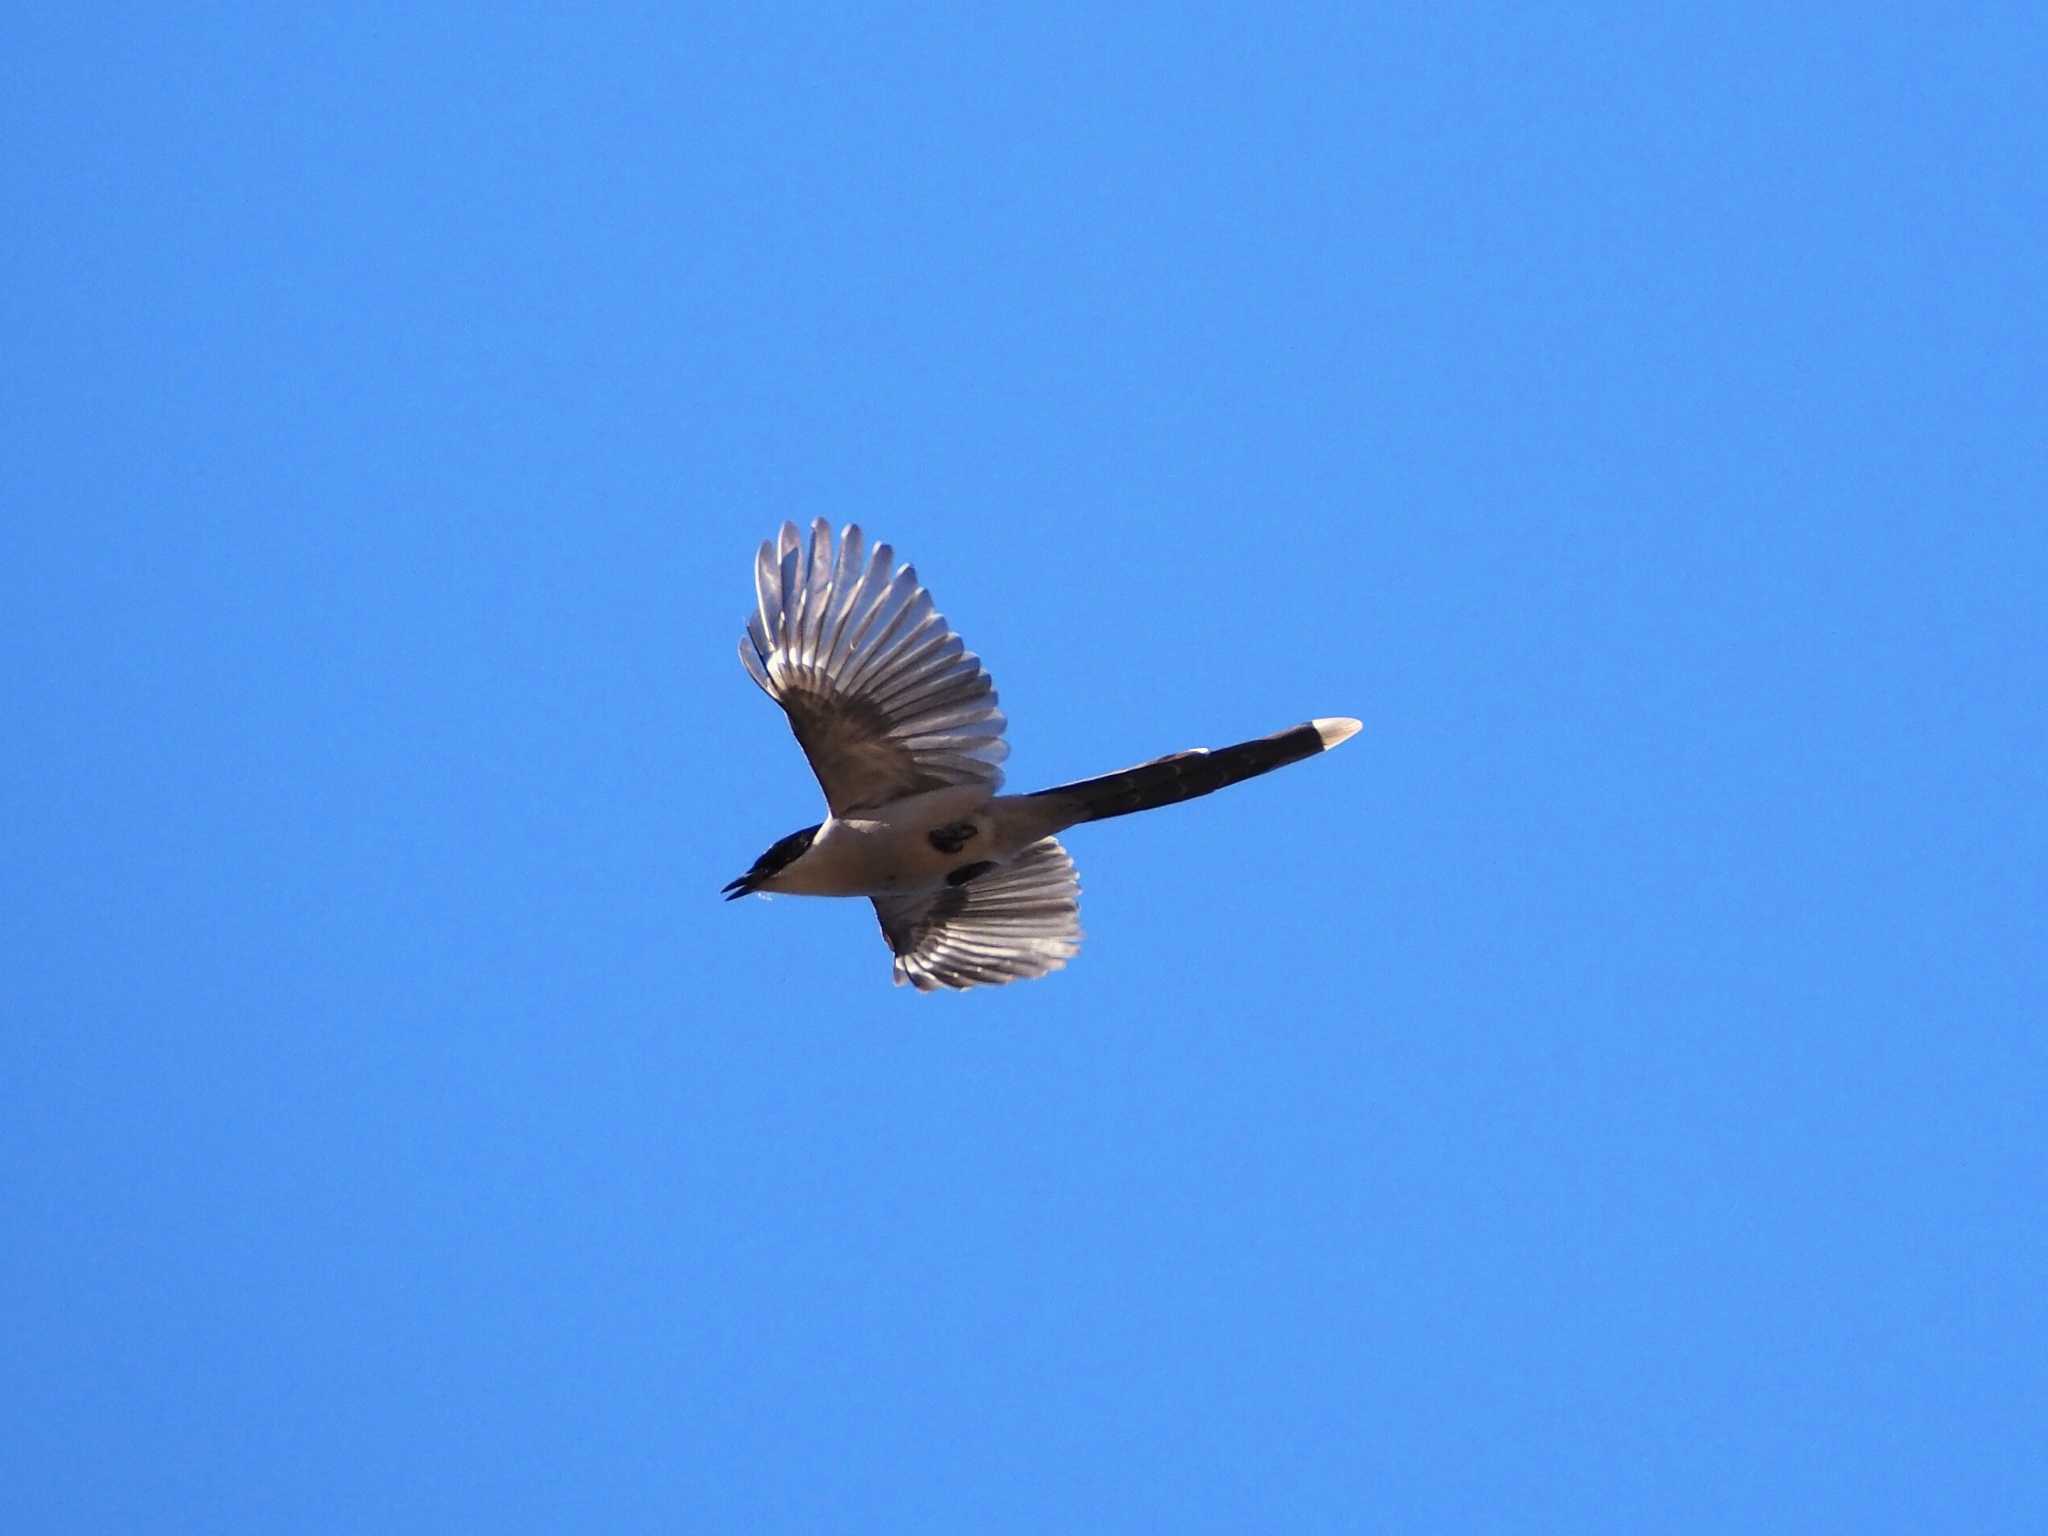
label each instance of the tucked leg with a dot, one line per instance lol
(952, 837)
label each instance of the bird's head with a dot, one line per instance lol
(779, 857)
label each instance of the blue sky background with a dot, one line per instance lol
(1605, 1096)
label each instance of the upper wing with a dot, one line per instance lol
(882, 696)
(1018, 921)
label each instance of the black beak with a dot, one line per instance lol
(738, 888)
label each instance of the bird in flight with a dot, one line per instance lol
(900, 724)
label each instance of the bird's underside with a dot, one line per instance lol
(899, 722)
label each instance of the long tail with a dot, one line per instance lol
(1187, 775)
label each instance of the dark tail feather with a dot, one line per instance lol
(1188, 775)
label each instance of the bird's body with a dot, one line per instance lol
(900, 725)
(892, 850)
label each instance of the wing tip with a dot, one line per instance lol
(1337, 729)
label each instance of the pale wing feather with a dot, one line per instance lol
(884, 698)
(1013, 923)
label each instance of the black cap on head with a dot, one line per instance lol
(779, 857)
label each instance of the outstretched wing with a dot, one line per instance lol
(884, 699)
(1018, 921)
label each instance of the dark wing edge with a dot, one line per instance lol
(1014, 923)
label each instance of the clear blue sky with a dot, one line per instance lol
(1607, 1095)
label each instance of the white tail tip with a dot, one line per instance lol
(1336, 729)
